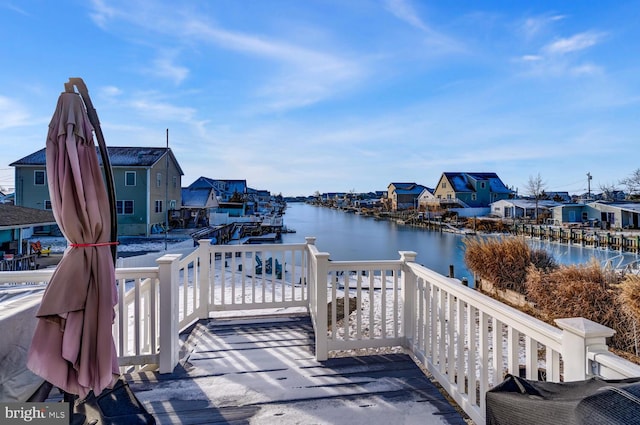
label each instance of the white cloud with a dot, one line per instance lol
(12, 114)
(403, 10)
(110, 91)
(307, 75)
(165, 68)
(575, 43)
(586, 69)
(534, 26)
(102, 13)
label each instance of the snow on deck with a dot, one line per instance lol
(262, 370)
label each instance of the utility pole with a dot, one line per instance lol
(589, 177)
(166, 193)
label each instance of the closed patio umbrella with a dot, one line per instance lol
(73, 347)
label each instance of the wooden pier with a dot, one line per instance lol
(590, 237)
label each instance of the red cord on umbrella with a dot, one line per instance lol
(85, 245)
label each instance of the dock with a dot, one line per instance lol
(262, 370)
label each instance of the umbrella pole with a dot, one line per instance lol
(104, 154)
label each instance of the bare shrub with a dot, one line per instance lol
(504, 261)
(583, 291)
(629, 298)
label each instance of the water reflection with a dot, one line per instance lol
(353, 237)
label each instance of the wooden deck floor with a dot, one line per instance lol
(262, 371)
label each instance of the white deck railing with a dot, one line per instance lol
(468, 341)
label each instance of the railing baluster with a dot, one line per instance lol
(359, 306)
(497, 347)
(451, 346)
(483, 363)
(472, 349)
(442, 337)
(513, 351)
(460, 343)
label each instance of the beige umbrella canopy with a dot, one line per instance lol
(72, 347)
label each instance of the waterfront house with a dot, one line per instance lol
(521, 208)
(618, 215)
(17, 224)
(147, 182)
(427, 199)
(196, 205)
(562, 197)
(403, 196)
(231, 194)
(470, 190)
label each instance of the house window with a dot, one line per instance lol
(38, 177)
(47, 204)
(172, 204)
(124, 207)
(443, 185)
(159, 179)
(448, 196)
(158, 206)
(482, 185)
(175, 182)
(473, 196)
(129, 178)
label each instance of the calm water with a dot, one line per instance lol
(353, 237)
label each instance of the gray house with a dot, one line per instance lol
(619, 215)
(147, 183)
(521, 208)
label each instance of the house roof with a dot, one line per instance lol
(12, 216)
(220, 185)
(402, 186)
(120, 156)
(529, 203)
(196, 197)
(627, 206)
(414, 189)
(462, 182)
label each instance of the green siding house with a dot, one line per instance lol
(470, 190)
(147, 182)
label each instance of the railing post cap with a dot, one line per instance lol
(408, 255)
(584, 327)
(311, 240)
(204, 242)
(168, 258)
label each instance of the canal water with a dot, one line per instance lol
(348, 236)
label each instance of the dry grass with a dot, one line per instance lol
(487, 226)
(504, 261)
(588, 291)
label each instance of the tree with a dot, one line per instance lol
(608, 192)
(535, 188)
(632, 183)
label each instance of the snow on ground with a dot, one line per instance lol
(128, 245)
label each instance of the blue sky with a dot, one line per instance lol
(332, 95)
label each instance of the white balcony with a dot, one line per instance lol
(466, 340)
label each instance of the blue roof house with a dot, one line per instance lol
(470, 190)
(404, 196)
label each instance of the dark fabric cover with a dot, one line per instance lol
(116, 406)
(518, 401)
